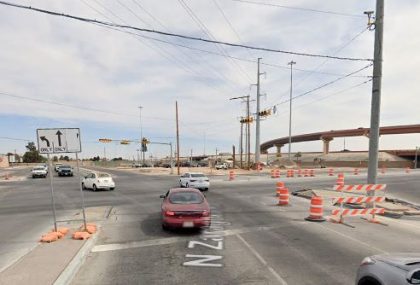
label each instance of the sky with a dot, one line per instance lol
(57, 72)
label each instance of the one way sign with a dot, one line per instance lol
(66, 140)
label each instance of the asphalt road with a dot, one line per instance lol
(251, 241)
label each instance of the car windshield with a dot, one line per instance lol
(39, 168)
(103, 175)
(65, 167)
(186, 198)
(197, 175)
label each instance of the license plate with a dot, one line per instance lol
(187, 224)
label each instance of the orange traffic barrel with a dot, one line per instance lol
(299, 172)
(231, 175)
(305, 173)
(283, 196)
(330, 172)
(273, 175)
(383, 170)
(277, 173)
(316, 211)
(311, 172)
(279, 186)
(340, 179)
(356, 171)
(407, 170)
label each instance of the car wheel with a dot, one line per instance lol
(368, 281)
(165, 227)
(83, 186)
(180, 184)
(111, 189)
(94, 187)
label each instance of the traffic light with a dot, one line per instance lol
(125, 142)
(105, 140)
(247, 120)
(265, 113)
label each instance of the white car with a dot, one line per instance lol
(39, 171)
(97, 181)
(221, 166)
(195, 180)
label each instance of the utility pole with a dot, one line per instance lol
(177, 137)
(376, 95)
(248, 133)
(241, 150)
(415, 158)
(290, 108)
(141, 134)
(257, 123)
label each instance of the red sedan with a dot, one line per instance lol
(185, 208)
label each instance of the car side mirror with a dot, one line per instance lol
(162, 196)
(413, 277)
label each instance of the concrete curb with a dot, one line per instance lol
(67, 275)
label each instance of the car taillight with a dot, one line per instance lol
(193, 180)
(367, 261)
(169, 213)
(205, 213)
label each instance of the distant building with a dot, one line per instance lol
(4, 161)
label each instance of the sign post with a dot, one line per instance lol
(63, 140)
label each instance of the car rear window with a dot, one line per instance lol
(103, 175)
(186, 198)
(39, 168)
(197, 175)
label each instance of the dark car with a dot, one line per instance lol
(185, 208)
(65, 170)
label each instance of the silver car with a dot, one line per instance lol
(390, 269)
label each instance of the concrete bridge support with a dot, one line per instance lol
(278, 148)
(326, 143)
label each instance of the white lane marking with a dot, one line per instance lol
(162, 241)
(262, 260)
(135, 244)
(353, 239)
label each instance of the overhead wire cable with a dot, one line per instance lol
(299, 8)
(209, 34)
(104, 23)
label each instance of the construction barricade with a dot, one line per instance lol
(290, 173)
(272, 173)
(299, 172)
(330, 172)
(231, 175)
(356, 171)
(337, 215)
(283, 194)
(275, 173)
(311, 173)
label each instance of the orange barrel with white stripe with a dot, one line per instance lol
(273, 175)
(231, 175)
(356, 171)
(407, 170)
(299, 172)
(330, 172)
(277, 173)
(383, 170)
(279, 186)
(305, 173)
(311, 172)
(292, 173)
(283, 197)
(316, 211)
(340, 179)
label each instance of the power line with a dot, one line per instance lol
(299, 8)
(325, 85)
(104, 23)
(14, 139)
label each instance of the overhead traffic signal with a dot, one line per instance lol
(247, 120)
(265, 113)
(105, 140)
(144, 143)
(125, 142)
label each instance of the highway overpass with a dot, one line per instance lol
(328, 136)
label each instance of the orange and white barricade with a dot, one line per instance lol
(338, 215)
(316, 211)
(299, 172)
(277, 173)
(279, 185)
(290, 173)
(356, 171)
(330, 172)
(311, 173)
(305, 173)
(231, 175)
(273, 175)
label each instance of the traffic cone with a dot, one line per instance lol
(316, 210)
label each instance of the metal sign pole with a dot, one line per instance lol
(52, 192)
(81, 190)
(172, 163)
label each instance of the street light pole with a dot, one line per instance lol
(290, 108)
(415, 158)
(257, 123)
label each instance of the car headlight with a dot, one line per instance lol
(368, 261)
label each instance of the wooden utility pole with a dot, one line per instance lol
(234, 154)
(177, 137)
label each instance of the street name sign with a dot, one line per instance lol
(63, 140)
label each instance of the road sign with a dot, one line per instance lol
(65, 140)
